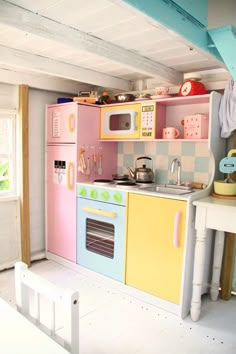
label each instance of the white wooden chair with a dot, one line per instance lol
(32, 291)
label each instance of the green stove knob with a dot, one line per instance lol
(82, 192)
(105, 196)
(117, 197)
(93, 194)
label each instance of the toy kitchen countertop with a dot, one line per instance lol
(89, 190)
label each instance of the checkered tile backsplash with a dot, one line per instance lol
(196, 160)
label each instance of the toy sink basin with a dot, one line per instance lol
(169, 189)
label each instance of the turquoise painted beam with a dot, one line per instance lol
(198, 10)
(224, 38)
(174, 17)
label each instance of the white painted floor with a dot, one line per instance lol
(113, 322)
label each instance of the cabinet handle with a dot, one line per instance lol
(176, 229)
(136, 121)
(70, 176)
(100, 212)
(71, 123)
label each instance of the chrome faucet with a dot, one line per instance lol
(172, 169)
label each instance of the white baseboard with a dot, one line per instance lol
(36, 256)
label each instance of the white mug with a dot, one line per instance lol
(170, 133)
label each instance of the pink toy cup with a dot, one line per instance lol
(170, 133)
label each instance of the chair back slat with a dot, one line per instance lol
(37, 307)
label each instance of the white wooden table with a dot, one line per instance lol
(20, 336)
(216, 214)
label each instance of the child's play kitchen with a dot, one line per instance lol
(121, 181)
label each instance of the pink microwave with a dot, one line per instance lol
(195, 126)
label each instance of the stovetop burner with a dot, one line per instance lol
(122, 184)
(144, 182)
(102, 182)
(126, 183)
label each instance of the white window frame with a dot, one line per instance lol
(10, 114)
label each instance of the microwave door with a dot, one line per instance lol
(118, 124)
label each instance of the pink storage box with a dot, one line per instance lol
(196, 126)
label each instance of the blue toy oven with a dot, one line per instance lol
(101, 229)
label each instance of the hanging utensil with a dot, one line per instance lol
(81, 164)
(87, 171)
(100, 163)
(94, 162)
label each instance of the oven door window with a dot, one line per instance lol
(100, 237)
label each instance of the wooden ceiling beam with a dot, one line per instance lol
(42, 82)
(18, 59)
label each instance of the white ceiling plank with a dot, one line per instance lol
(35, 6)
(12, 15)
(85, 14)
(142, 40)
(44, 65)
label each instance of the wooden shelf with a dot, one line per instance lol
(170, 101)
(176, 101)
(170, 113)
(156, 140)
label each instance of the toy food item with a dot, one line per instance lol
(105, 98)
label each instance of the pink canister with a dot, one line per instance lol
(195, 126)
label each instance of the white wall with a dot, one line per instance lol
(9, 233)
(8, 96)
(9, 209)
(221, 13)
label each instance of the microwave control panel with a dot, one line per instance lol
(148, 121)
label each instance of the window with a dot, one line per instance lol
(7, 152)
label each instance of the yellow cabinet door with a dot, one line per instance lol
(153, 262)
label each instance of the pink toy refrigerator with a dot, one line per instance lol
(72, 155)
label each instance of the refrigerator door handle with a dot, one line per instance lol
(70, 176)
(71, 123)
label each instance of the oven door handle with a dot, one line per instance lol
(108, 214)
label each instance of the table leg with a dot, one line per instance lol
(199, 259)
(217, 263)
